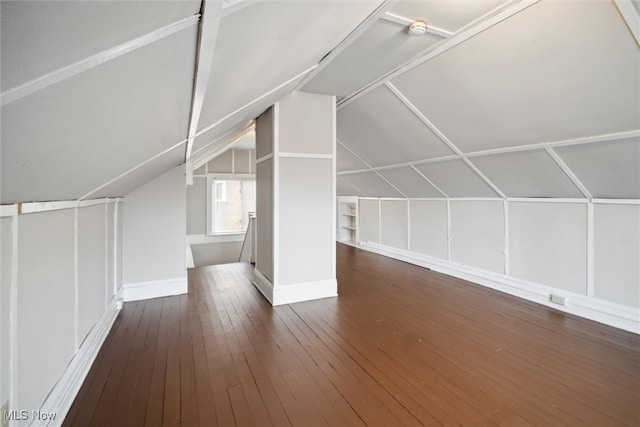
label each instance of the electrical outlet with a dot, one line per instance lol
(558, 299)
(4, 420)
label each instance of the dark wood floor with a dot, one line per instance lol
(400, 346)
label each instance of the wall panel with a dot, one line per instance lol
(197, 206)
(305, 210)
(45, 303)
(369, 220)
(477, 234)
(394, 220)
(548, 244)
(617, 254)
(91, 267)
(428, 225)
(264, 218)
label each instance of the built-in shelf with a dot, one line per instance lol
(347, 221)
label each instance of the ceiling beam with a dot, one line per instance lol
(568, 172)
(370, 168)
(405, 22)
(346, 42)
(631, 17)
(467, 32)
(441, 136)
(64, 73)
(207, 36)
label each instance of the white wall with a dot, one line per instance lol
(208, 250)
(57, 262)
(154, 237)
(46, 302)
(586, 251)
(6, 253)
(295, 141)
(617, 251)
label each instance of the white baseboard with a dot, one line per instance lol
(154, 289)
(297, 292)
(63, 394)
(263, 284)
(611, 314)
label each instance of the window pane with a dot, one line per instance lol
(232, 202)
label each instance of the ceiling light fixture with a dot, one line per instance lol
(417, 28)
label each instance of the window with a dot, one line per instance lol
(230, 200)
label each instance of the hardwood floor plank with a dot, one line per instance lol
(401, 345)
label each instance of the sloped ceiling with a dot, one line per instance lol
(498, 99)
(541, 103)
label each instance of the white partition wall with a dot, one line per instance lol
(585, 252)
(154, 223)
(58, 299)
(295, 144)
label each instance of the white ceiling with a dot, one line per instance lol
(499, 99)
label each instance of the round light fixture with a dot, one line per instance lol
(417, 28)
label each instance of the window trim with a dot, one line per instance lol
(211, 179)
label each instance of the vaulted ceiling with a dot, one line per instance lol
(520, 98)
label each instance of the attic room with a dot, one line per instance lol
(315, 212)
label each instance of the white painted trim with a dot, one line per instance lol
(428, 180)
(263, 284)
(189, 254)
(546, 200)
(346, 42)
(14, 361)
(536, 146)
(76, 289)
(188, 169)
(449, 229)
(422, 118)
(250, 103)
(469, 31)
(615, 315)
(63, 394)
(616, 201)
(568, 172)
(233, 161)
(409, 224)
(590, 251)
(484, 178)
(631, 18)
(306, 155)
(307, 291)
(64, 73)
(334, 190)
(264, 158)
(154, 289)
(507, 244)
(106, 256)
(379, 220)
(401, 20)
(276, 194)
(202, 239)
(138, 166)
(8, 210)
(207, 36)
(116, 242)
